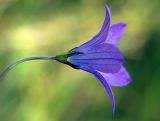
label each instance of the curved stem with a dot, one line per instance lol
(24, 60)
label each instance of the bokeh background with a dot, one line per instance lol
(50, 91)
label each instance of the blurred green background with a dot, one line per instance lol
(50, 91)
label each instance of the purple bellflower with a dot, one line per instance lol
(99, 56)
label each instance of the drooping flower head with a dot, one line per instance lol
(99, 56)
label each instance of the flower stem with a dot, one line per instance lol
(4, 72)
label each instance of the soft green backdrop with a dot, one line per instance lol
(50, 91)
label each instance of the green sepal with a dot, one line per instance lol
(63, 57)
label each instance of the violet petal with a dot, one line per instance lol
(105, 62)
(100, 58)
(104, 83)
(101, 51)
(103, 47)
(106, 68)
(102, 35)
(104, 57)
(115, 33)
(119, 79)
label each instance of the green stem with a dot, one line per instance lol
(24, 60)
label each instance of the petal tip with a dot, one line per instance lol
(108, 11)
(113, 109)
(122, 24)
(129, 81)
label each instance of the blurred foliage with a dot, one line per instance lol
(50, 91)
